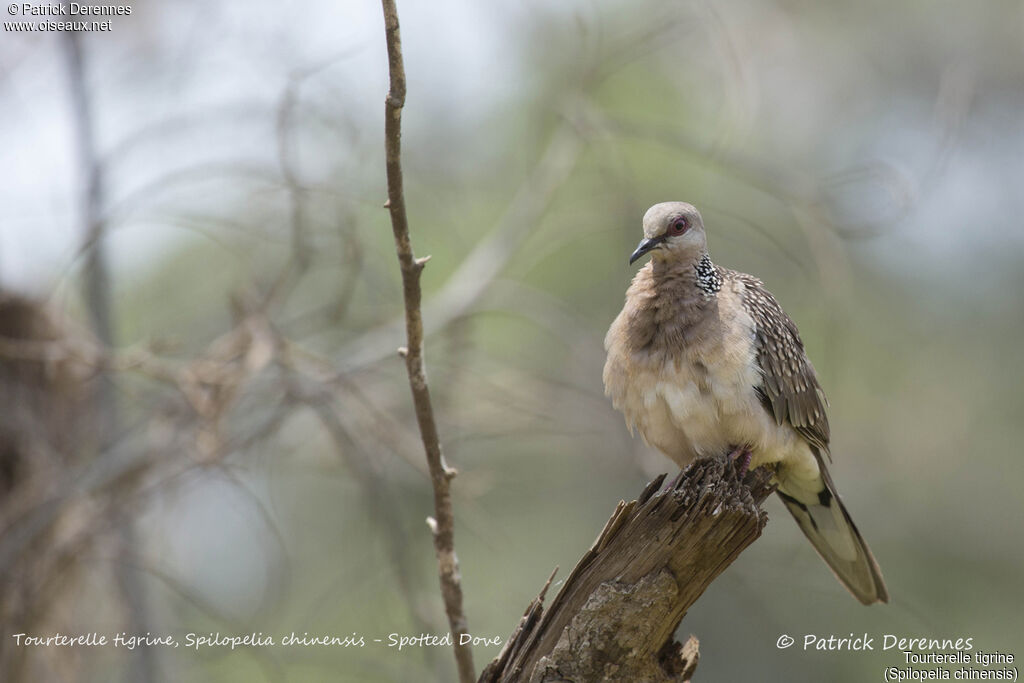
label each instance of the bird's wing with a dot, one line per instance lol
(790, 390)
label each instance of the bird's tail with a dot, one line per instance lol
(823, 518)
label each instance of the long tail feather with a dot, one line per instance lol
(821, 515)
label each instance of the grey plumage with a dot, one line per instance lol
(703, 361)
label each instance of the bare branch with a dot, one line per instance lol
(443, 522)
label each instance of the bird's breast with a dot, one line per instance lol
(698, 399)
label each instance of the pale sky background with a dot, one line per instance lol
(230, 63)
(208, 76)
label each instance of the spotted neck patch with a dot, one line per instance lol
(708, 279)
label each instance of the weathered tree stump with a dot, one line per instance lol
(616, 615)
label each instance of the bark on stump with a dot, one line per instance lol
(616, 615)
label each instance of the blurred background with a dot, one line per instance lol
(206, 429)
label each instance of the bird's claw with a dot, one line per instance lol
(741, 459)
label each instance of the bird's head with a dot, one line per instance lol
(673, 231)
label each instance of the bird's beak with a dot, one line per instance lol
(645, 246)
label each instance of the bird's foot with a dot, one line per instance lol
(741, 459)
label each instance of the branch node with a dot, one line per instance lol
(387, 203)
(403, 351)
(422, 262)
(432, 523)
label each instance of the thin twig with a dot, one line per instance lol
(99, 302)
(443, 523)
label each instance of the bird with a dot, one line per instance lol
(703, 362)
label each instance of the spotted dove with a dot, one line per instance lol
(704, 362)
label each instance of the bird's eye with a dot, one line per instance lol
(679, 226)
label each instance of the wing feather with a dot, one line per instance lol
(790, 385)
